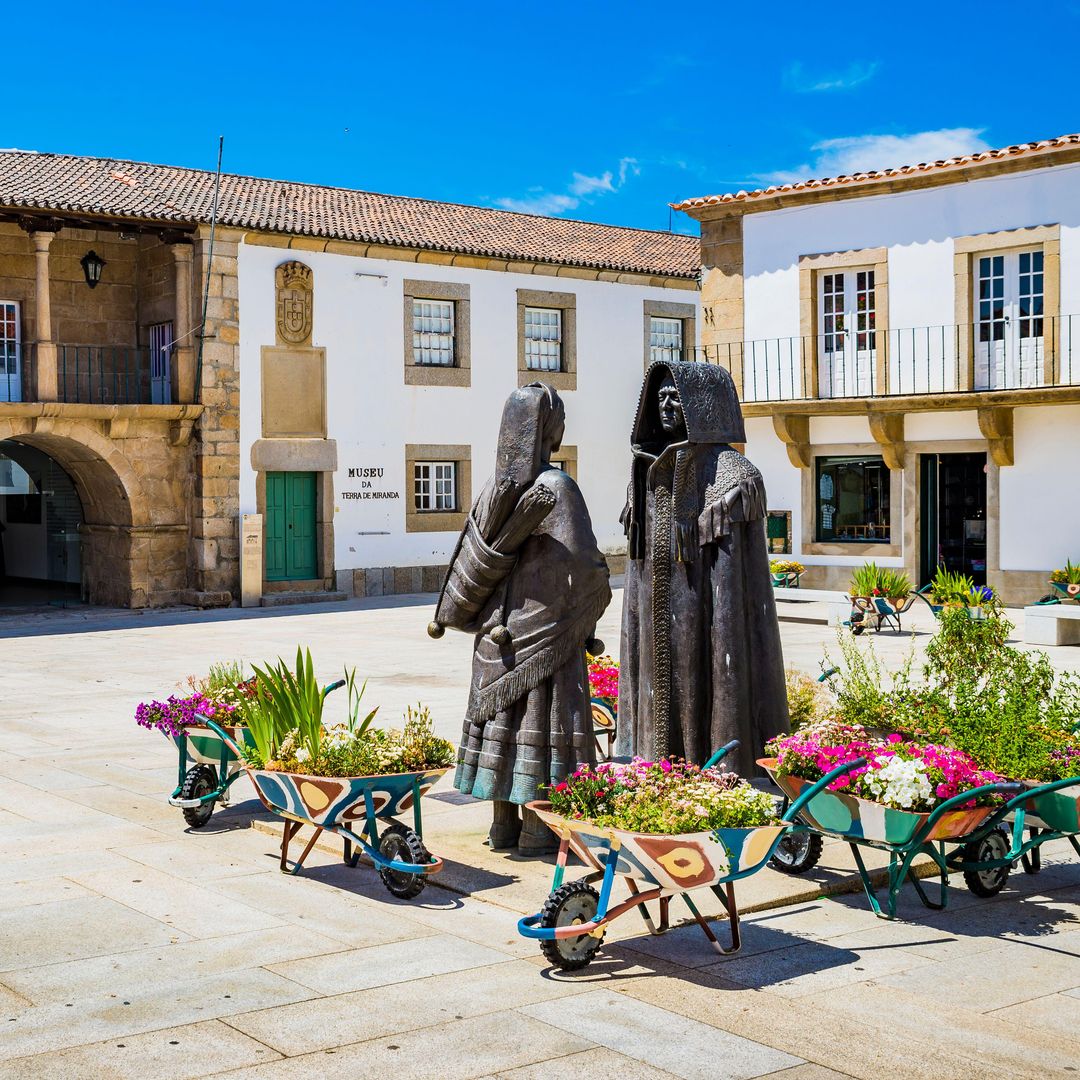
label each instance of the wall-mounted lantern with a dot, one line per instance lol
(92, 264)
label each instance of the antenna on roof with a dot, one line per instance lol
(209, 264)
(669, 218)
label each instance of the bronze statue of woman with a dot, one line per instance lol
(529, 580)
(701, 662)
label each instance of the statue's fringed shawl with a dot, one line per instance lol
(701, 662)
(528, 721)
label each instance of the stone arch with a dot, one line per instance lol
(115, 506)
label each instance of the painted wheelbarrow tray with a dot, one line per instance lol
(352, 807)
(208, 768)
(902, 833)
(571, 926)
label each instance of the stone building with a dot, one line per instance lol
(335, 370)
(907, 347)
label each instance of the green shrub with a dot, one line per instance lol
(1069, 576)
(807, 700)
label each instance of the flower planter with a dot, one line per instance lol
(789, 579)
(850, 816)
(204, 747)
(1058, 810)
(605, 715)
(1066, 589)
(679, 862)
(208, 766)
(327, 801)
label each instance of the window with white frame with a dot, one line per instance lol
(433, 332)
(847, 341)
(435, 485)
(1009, 295)
(665, 338)
(543, 339)
(10, 352)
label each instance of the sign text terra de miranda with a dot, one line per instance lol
(368, 478)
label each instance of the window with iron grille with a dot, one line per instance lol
(435, 485)
(665, 338)
(433, 332)
(543, 339)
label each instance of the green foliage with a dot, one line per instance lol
(356, 725)
(873, 580)
(1069, 576)
(288, 701)
(1009, 709)
(867, 695)
(786, 566)
(951, 588)
(347, 750)
(806, 698)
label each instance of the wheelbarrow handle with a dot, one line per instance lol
(721, 753)
(1042, 789)
(332, 687)
(1011, 787)
(818, 786)
(222, 734)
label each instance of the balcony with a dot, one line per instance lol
(966, 359)
(95, 375)
(113, 375)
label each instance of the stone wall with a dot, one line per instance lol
(215, 514)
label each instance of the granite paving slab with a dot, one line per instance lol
(368, 1014)
(175, 1053)
(686, 1048)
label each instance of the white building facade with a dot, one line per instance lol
(366, 433)
(907, 347)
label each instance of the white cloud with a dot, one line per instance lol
(864, 153)
(803, 82)
(582, 188)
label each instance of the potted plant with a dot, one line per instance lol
(870, 580)
(343, 775)
(786, 573)
(1066, 582)
(955, 590)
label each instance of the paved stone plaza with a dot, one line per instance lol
(132, 948)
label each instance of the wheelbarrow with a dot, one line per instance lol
(352, 807)
(206, 782)
(1044, 812)
(903, 834)
(572, 923)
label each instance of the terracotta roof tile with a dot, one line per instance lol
(129, 189)
(985, 156)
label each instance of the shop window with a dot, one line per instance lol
(852, 500)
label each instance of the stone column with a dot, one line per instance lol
(184, 353)
(46, 375)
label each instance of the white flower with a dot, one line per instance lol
(302, 755)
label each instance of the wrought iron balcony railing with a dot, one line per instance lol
(951, 359)
(113, 375)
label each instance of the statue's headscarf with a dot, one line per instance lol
(712, 415)
(530, 417)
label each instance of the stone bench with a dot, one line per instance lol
(1052, 624)
(838, 603)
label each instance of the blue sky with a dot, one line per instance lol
(597, 110)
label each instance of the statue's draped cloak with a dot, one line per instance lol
(529, 721)
(701, 662)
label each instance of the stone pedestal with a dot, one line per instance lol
(251, 560)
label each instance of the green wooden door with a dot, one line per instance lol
(290, 526)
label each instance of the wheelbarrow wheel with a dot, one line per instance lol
(570, 905)
(797, 853)
(400, 843)
(988, 882)
(200, 780)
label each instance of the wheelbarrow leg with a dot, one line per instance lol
(727, 897)
(307, 850)
(290, 830)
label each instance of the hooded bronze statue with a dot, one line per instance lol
(529, 581)
(700, 660)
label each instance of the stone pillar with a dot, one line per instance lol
(184, 353)
(46, 375)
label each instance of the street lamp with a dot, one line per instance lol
(92, 264)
